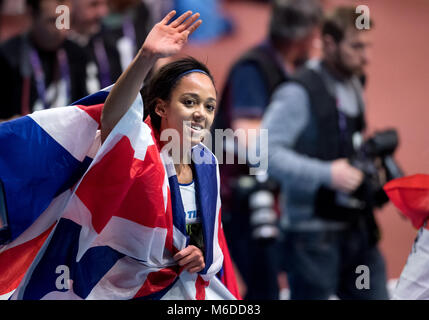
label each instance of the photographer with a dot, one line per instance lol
(315, 125)
(248, 201)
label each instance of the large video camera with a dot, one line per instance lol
(375, 160)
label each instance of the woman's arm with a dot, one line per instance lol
(165, 39)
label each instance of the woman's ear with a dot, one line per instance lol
(161, 108)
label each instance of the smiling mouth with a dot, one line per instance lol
(197, 127)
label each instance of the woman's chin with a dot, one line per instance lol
(194, 139)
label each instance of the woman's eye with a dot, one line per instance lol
(211, 107)
(189, 102)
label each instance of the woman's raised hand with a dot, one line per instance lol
(166, 39)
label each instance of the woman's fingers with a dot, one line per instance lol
(194, 265)
(194, 27)
(168, 17)
(185, 24)
(183, 253)
(191, 258)
(180, 19)
(188, 22)
(194, 268)
(196, 259)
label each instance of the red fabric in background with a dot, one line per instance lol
(411, 196)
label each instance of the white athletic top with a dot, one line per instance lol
(187, 191)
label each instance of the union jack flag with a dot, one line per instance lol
(103, 221)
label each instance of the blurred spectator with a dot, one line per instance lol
(250, 83)
(86, 18)
(109, 33)
(159, 8)
(127, 26)
(88, 46)
(315, 125)
(35, 68)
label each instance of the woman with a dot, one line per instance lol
(188, 97)
(180, 97)
(122, 232)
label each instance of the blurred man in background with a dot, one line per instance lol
(87, 17)
(36, 72)
(88, 46)
(315, 124)
(126, 28)
(250, 84)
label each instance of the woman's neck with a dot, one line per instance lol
(183, 168)
(180, 157)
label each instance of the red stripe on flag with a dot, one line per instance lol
(157, 281)
(200, 286)
(228, 277)
(120, 185)
(15, 261)
(93, 111)
(169, 220)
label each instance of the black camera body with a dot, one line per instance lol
(374, 156)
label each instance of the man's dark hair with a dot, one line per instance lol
(293, 19)
(34, 5)
(164, 81)
(339, 21)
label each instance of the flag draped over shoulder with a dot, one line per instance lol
(92, 221)
(411, 196)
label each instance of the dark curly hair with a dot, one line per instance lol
(164, 81)
(338, 21)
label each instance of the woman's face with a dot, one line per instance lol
(191, 108)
